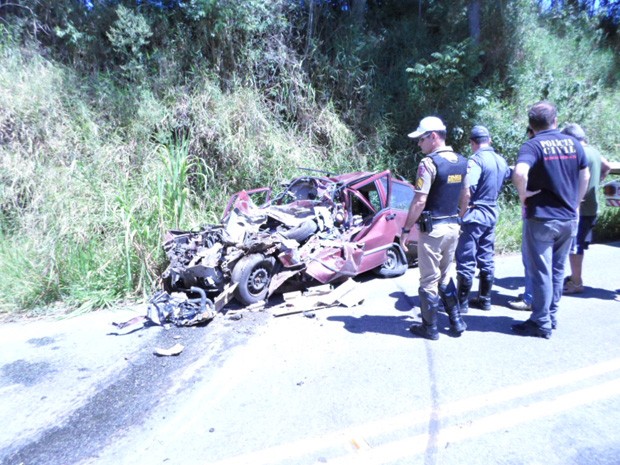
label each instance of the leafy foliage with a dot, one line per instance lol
(121, 119)
(129, 36)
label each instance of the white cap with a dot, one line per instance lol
(428, 124)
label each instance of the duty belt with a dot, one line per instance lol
(446, 220)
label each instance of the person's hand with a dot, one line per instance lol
(403, 240)
(528, 194)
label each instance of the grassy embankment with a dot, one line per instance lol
(93, 174)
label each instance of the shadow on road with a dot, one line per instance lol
(381, 324)
(482, 322)
(510, 282)
(594, 293)
(502, 300)
(404, 302)
(492, 324)
(513, 283)
(398, 325)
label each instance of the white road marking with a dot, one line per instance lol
(392, 451)
(414, 445)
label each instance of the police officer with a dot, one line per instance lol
(434, 208)
(486, 173)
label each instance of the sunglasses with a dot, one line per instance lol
(425, 136)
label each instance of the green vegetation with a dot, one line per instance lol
(120, 122)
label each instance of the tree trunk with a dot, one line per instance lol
(473, 14)
(310, 31)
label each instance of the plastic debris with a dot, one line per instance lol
(174, 350)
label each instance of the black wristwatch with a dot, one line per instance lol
(406, 231)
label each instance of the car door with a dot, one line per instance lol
(379, 225)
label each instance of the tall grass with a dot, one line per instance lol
(92, 175)
(508, 229)
(172, 187)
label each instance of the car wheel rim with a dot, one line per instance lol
(258, 280)
(390, 260)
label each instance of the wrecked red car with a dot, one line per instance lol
(317, 229)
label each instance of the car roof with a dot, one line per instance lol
(349, 177)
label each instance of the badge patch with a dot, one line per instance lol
(421, 170)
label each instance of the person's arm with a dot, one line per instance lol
(605, 168)
(474, 171)
(519, 179)
(415, 210)
(584, 178)
(464, 200)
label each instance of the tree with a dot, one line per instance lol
(473, 14)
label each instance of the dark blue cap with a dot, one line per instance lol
(479, 131)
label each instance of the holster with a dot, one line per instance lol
(425, 221)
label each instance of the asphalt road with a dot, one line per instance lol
(346, 386)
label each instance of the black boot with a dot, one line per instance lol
(464, 287)
(442, 290)
(428, 307)
(483, 301)
(451, 304)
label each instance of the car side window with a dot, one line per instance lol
(401, 196)
(375, 200)
(371, 194)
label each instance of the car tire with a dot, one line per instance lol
(301, 232)
(166, 284)
(395, 263)
(252, 274)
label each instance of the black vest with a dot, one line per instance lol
(443, 198)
